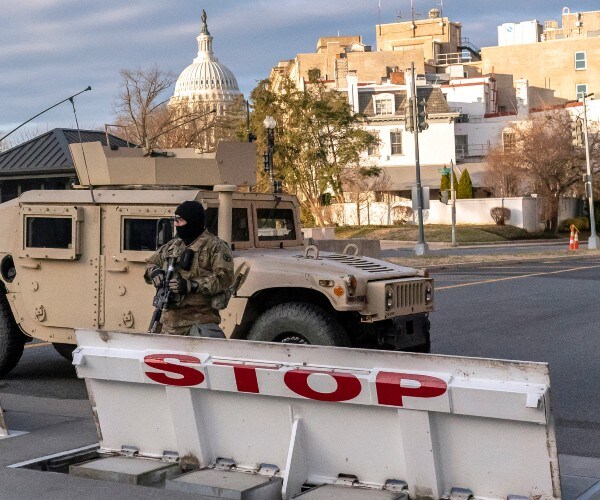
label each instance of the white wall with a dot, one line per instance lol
(524, 212)
(436, 145)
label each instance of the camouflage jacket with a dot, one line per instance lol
(212, 269)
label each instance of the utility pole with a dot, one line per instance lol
(421, 248)
(593, 242)
(453, 195)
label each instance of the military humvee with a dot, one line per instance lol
(75, 259)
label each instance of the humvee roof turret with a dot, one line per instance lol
(75, 259)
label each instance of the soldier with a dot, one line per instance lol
(200, 287)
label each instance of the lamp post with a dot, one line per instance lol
(269, 123)
(593, 242)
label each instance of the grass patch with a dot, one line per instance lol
(442, 233)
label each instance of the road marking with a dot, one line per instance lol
(495, 280)
(37, 344)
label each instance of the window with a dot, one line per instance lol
(580, 89)
(396, 142)
(580, 62)
(461, 145)
(275, 224)
(509, 141)
(373, 149)
(139, 234)
(239, 228)
(49, 232)
(383, 107)
(384, 104)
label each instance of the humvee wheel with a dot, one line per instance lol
(12, 339)
(298, 323)
(65, 350)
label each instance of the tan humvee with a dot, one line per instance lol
(75, 259)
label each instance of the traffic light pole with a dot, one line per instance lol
(421, 248)
(593, 242)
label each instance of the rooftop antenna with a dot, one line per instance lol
(412, 11)
(42, 112)
(441, 8)
(72, 100)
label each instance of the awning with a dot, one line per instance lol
(402, 178)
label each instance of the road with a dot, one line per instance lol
(542, 311)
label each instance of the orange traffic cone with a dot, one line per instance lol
(572, 238)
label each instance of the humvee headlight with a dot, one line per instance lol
(326, 283)
(389, 297)
(428, 293)
(351, 284)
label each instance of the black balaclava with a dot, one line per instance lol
(193, 213)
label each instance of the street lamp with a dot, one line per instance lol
(269, 123)
(593, 242)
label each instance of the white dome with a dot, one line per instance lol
(206, 78)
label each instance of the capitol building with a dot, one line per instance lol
(203, 86)
(206, 82)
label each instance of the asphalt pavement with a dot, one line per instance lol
(47, 410)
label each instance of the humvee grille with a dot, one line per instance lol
(410, 294)
(360, 263)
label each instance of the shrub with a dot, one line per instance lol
(465, 186)
(401, 215)
(581, 223)
(500, 215)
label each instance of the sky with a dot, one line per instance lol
(52, 49)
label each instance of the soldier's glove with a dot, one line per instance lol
(157, 276)
(182, 286)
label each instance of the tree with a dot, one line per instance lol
(504, 176)
(318, 140)
(143, 111)
(445, 183)
(551, 165)
(465, 186)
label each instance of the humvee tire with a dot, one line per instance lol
(298, 323)
(12, 339)
(65, 350)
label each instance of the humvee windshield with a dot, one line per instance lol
(275, 224)
(239, 230)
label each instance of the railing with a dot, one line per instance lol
(453, 58)
(471, 150)
(466, 43)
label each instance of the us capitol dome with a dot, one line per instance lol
(206, 82)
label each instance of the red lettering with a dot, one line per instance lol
(348, 386)
(390, 390)
(245, 375)
(188, 376)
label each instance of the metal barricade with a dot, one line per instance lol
(315, 415)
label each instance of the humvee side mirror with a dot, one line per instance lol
(164, 231)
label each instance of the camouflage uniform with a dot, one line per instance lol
(212, 269)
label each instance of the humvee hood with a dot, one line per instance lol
(332, 264)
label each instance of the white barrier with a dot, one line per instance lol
(436, 422)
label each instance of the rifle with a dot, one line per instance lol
(162, 297)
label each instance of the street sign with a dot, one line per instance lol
(444, 171)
